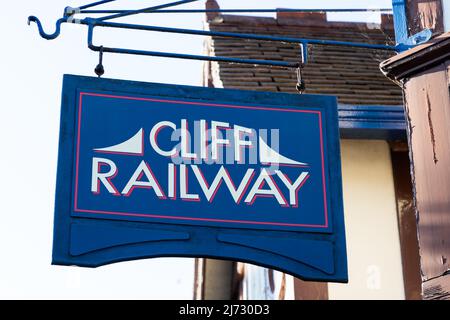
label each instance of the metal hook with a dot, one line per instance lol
(301, 85)
(41, 30)
(99, 69)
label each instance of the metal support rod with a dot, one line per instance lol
(101, 22)
(238, 35)
(237, 11)
(42, 33)
(96, 22)
(185, 56)
(400, 21)
(149, 9)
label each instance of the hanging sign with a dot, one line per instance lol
(148, 170)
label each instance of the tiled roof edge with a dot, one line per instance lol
(267, 21)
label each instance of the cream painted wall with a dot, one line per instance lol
(373, 248)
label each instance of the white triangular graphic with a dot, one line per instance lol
(133, 145)
(268, 155)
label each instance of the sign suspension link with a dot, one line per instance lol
(99, 69)
(301, 85)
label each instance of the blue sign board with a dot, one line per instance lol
(150, 170)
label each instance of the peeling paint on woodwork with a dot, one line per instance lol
(428, 69)
(436, 293)
(425, 14)
(430, 125)
(409, 130)
(437, 288)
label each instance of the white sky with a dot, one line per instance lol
(30, 85)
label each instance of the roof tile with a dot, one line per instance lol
(352, 74)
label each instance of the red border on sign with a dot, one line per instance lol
(76, 209)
